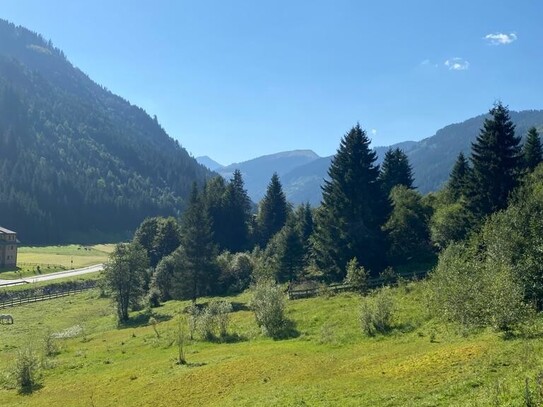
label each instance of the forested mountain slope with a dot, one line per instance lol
(432, 158)
(258, 171)
(76, 161)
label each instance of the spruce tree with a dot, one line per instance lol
(496, 163)
(237, 214)
(213, 198)
(354, 207)
(198, 274)
(532, 151)
(459, 179)
(273, 211)
(395, 170)
(290, 259)
(305, 226)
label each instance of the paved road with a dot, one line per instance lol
(61, 274)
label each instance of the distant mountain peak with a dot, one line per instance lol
(208, 162)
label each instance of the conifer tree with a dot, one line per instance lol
(395, 170)
(496, 163)
(213, 199)
(459, 178)
(348, 223)
(273, 211)
(305, 227)
(198, 273)
(237, 214)
(290, 259)
(532, 151)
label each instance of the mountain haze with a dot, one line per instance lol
(208, 163)
(431, 158)
(78, 163)
(258, 171)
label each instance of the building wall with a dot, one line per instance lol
(8, 250)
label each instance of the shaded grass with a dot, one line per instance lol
(132, 367)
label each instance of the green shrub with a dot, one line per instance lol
(192, 321)
(221, 311)
(26, 370)
(268, 304)
(376, 312)
(475, 292)
(214, 319)
(357, 276)
(50, 346)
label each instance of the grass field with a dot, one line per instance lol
(51, 259)
(329, 363)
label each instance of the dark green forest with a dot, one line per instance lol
(78, 163)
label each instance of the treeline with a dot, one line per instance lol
(371, 220)
(78, 163)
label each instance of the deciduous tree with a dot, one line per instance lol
(124, 275)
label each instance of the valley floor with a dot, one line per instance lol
(327, 362)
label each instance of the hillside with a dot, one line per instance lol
(258, 171)
(432, 160)
(326, 362)
(209, 163)
(78, 163)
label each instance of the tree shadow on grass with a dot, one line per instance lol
(143, 320)
(28, 390)
(403, 328)
(288, 331)
(239, 306)
(236, 306)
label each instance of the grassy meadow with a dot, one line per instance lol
(326, 362)
(51, 259)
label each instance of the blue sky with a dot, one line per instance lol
(239, 79)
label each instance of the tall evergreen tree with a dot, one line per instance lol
(273, 211)
(395, 170)
(496, 163)
(213, 198)
(532, 151)
(305, 227)
(237, 213)
(459, 178)
(198, 273)
(354, 207)
(290, 256)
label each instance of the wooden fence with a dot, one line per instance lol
(37, 297)
(316, 289)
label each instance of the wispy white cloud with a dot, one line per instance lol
(500, 38)
(373, 132)
(428, 63)
(457, 64)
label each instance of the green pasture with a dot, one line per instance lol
(326, 362)
(33, 261)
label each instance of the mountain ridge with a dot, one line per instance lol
(432, 159)
(79, 163)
